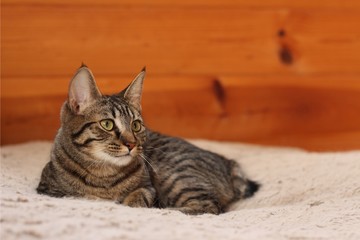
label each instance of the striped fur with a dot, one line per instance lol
(137, 168)
(193, 180)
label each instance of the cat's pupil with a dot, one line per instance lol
(107, 124)
(136, 126)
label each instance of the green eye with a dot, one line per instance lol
(107, 124)
(136, 126)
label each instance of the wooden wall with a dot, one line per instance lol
(274, 72)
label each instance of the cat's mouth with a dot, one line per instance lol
(132, 153)
(118, 152)
(135, 151)
(119, 155)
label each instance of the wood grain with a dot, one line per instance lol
(115, 41)
(318, 4)
(272, 72)
(280, 110)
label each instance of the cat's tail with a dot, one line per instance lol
(243, 187)
(251, 188)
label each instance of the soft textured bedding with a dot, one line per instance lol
(304, 195)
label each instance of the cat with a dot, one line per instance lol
(103, 150)
(96, 150)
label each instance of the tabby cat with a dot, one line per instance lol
(103, 150)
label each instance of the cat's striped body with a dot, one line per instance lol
(194, 180)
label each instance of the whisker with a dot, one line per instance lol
(144, 158)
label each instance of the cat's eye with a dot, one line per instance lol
(136, 126)
(107, 124)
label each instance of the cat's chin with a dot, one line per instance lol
(116, 160)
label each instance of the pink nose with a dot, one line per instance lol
(130, 146)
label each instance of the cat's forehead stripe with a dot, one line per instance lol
(122, 109)
(113, 112)
(129, 112)
(117, 121)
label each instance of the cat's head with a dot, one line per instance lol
(105, 128)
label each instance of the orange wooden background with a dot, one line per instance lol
(275, 72)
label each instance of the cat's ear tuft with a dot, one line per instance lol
(82, 90)
(83, 65)
(134, 91)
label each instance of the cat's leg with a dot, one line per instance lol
(50, 190)
(196, 207)
(141, 197)
(49, 183)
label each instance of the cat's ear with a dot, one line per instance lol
(132, 93)
(82, 90)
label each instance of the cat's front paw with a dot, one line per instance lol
(141, 197)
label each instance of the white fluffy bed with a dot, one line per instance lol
(303, 196)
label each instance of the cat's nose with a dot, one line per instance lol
(129, 145)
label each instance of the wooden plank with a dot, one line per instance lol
(50, 41)
(339, 141)
(319, 4)
(230, 108)
(55, 86)
(29, 119)
(287, 110)
(15, 87)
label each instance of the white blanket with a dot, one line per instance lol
(303, 196)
